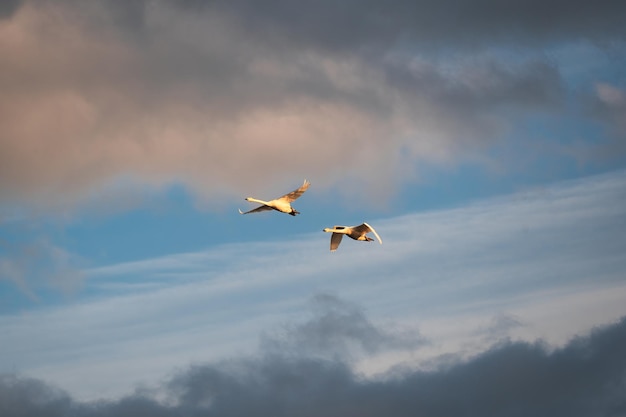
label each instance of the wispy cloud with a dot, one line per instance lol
(40, 264)
(550, 259)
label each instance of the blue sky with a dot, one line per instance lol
(487, 151)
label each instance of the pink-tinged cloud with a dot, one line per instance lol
(613, 106)
(200, 99)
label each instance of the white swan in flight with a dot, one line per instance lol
(282, 204)
(355, 232)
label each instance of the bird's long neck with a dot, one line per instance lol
(256, 200)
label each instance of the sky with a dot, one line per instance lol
(485, 142)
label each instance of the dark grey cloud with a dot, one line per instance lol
(453, 23)
(338, 330)
(30, 397)
(586, 377)
(8, 7)
(360, 26)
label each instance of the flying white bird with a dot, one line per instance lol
(355, 232)
(282, 204)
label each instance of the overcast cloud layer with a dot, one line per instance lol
(587, 377)
(215, 95)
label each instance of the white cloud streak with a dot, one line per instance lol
(552, 258)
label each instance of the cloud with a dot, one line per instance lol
(30, 397)
(544, 263)
(7, 8)
(610, 105)
(222, 97)
(606, 105)
(353, 24)
(451, 24)
(38, 265)
(584, 377)
(338, 330)
(500, 327)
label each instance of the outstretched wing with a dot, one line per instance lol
(367, 229)
(257, 210)
(296, 193)
(335, 240)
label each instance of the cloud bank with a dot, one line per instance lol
(585, 377)
(543, 264)
(224, 96)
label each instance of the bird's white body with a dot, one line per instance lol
(354, 232)
(282, 204)
(278, 204)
